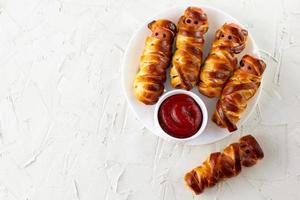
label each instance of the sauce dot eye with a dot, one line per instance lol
(188, 21)
(242, 64)
(249, 68)
(222, 35)
(229, 37)
(196, 22)
(156, 34)
(164, 35)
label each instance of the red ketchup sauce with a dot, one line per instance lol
(180, 116)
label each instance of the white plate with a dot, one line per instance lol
(130, 65)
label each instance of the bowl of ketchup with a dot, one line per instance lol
(180, 115)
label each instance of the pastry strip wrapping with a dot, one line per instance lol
(220, 166)
(241, 87)
(221, 62)
(148, 85)
(187, 59)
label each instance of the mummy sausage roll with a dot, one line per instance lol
(189, 43)
(220, 166)
(149, 82)
(238, 90)
(229, 40)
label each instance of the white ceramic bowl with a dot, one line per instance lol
(130, 65)
(198, 101)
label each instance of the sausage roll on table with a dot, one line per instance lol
(149, 82)
(219, 65)
(237, 91)
(220, 166)
(189, 44)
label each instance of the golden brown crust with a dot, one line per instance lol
(189, 43)
(220, 166)
(249, 144)
(219, 65)
(238, 90)
(148, 85)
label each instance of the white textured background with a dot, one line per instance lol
(67, 133)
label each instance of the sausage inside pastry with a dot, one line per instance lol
(238, 90)
(148, 85)
(189, 43)
(220, 166)
(219, 65)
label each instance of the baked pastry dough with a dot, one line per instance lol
(220, 166)
(219, 65)
(189, 43)
(148, 85)
(237, 91)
